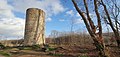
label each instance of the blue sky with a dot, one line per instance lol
(59, 14)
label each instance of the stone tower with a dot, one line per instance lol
(34, 27)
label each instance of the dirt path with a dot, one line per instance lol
(2, 56)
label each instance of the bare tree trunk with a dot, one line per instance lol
(97, 38)
(99, 22)
(88, 17)
(103, 52)
(116, 32)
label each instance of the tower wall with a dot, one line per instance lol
(34, 27)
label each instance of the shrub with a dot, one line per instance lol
(2, 46)
(51, 49)
(5, 54)
(51, 54)
(35, 46)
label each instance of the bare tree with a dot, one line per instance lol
(54, 34)
(97, 37)
(112, 15)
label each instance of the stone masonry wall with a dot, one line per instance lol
(34, 27)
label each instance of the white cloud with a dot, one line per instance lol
(61, 20)
(48, 20)
(10, 26)
(5, 9)
(70, 12)
(92, 15)
(78, 21)
(49, 6)
(77, 15)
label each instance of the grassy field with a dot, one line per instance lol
(57, 51)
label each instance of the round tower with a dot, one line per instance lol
(34, 27)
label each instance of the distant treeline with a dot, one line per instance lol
(74, 38)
